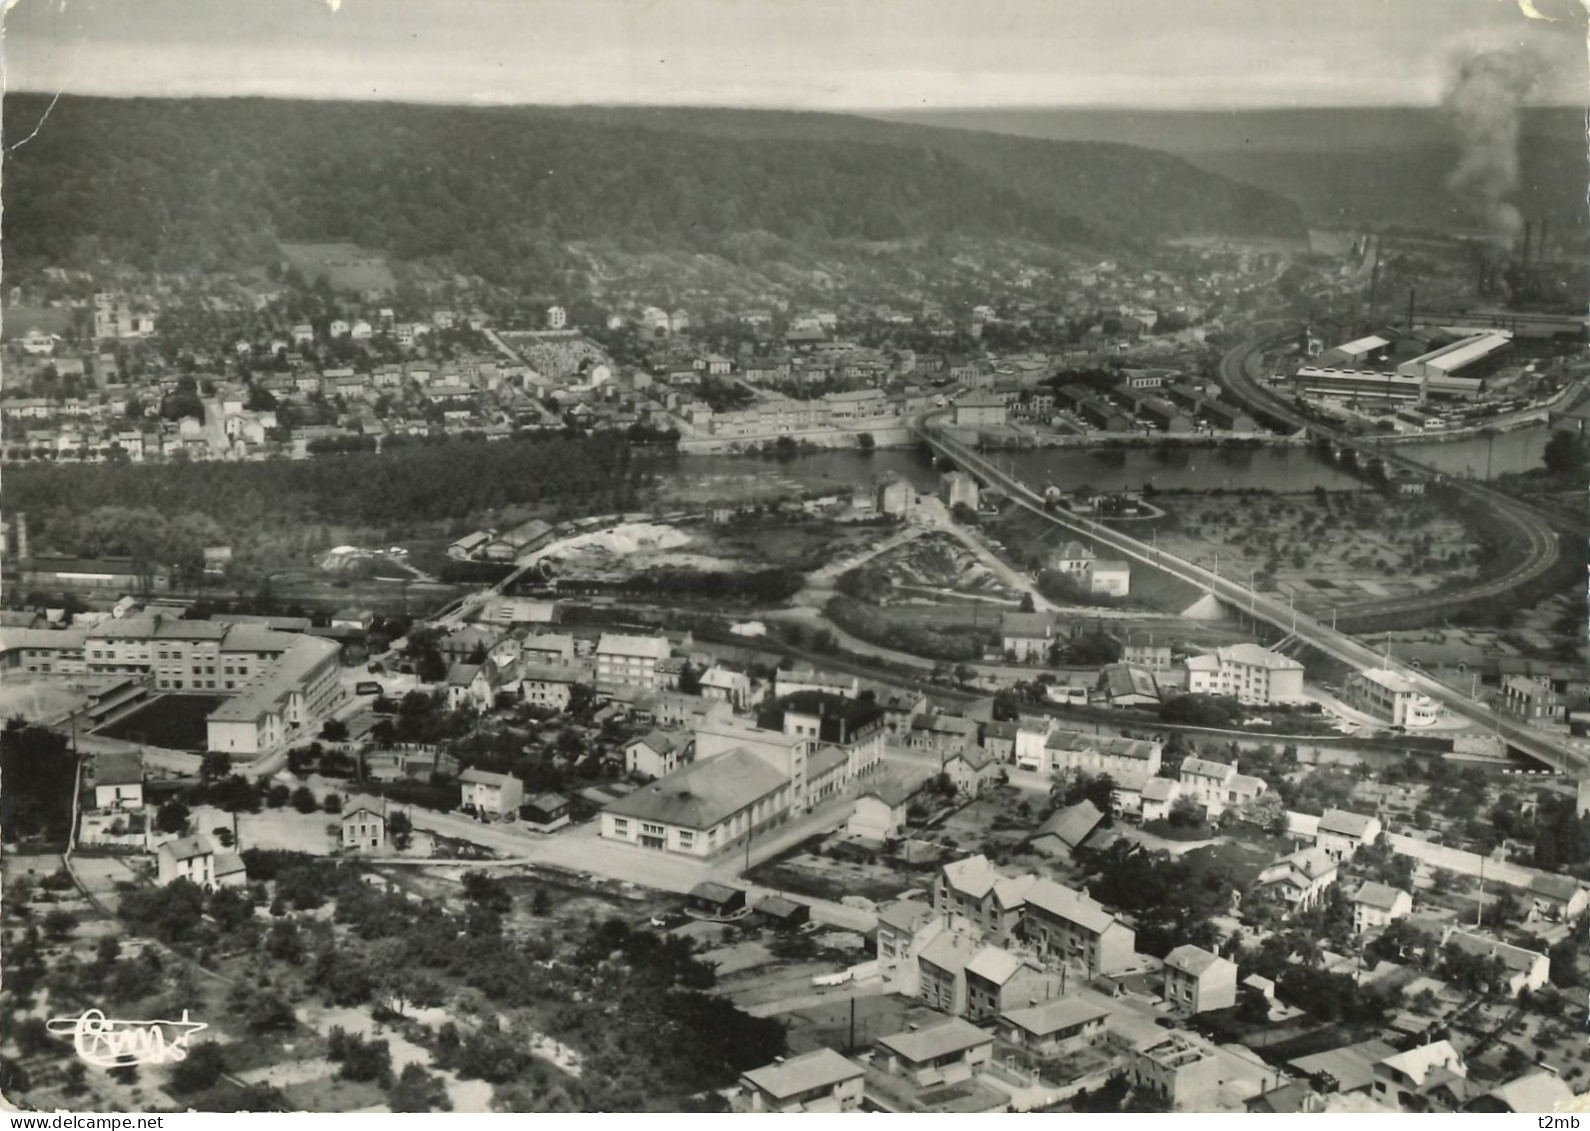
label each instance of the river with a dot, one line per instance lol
(1285, 469)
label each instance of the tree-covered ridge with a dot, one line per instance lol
(501, 192)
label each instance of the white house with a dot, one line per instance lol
(1341, 834)
(491, 795)
(363, 823)
(186, 858)
(1248, 673)
(119, 781)
(1375, 905)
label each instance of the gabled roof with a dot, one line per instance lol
(826, 760)
(1071, 824)
(1055, 1016)
(486, 777)
(1383, 896)
(363, 801)
(619, 644)
(905, 914)
(187, 847)
(1562, 888)
(703, 794)
(1538, 1092)
(950, 951)
(1202, 767)
(892, 792)
(1344, 823)
(1515, 958)
(995, 964)
(118, 768)
(944, 1039)
(1072, 906)
(1194, 960)
(1029, 625)
(1353, 1066)
(1418, 1063)
(821, 1068)
(462, 675)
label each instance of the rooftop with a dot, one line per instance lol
(1194, 960)
(945, 1039)
(1383, 896)
(703, 794)
(1344, 823)
(1055, 1016)
(118, 768)
(821, 1068)
(187, 847)
(1065, 903)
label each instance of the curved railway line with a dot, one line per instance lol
(1524, 525)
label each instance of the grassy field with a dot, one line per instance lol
(173, 721)
(348, 266)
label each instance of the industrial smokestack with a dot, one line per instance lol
(1374, 286)
(1411, 295)
(1528, 231)
(1540, 242)
(1483, 93)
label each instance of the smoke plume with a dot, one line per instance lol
(1484, 92)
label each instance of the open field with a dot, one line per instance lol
(173, 721)
(39, 699)
(349, 267)
(1344, 550)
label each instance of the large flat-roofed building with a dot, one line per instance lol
(286, 695)
(1181, 1073)
(1390, 697)
(1356, 353)
(1460, 368)
(1358, 385)
(629, 660)
(703, 808)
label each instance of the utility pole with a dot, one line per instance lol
(852, 1045)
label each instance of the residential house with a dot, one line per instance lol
(941, 966)
(950, 1052)
(119, 780)
(1111, 577)
(956, 488)
(1525, 699)
(893, 495)
(818, 1081)
(657, 753)
(727, 685)
(1300, 878)
(1027, 637)
(491, 795)
(998, 980)
(1522, 968)
(703, 807)
(974, 889)
(1099, 754)
(1069, 927)
(1198, 980)
(1177, 1070)
(1560, 899)
(999, 741)
(1055, 1028)
(880, 813)
(1218, 785)
(548, 648)
(943, 735)
(1341, 834)
(971, 771)
(189, 858)
(472, 685)
(547, 686)
(1375, 905)
(1248, 673)
(363, 824)
(980, 410)
(1541, 1091)
(1405, 1079)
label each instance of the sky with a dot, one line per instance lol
(805, 54)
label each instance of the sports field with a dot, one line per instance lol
(175, 722)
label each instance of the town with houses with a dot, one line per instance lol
(1039, 666)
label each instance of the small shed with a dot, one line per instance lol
(785, 914)
(714, 900)
(545, 812)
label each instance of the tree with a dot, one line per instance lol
(59, 924)
(304, 800)
(1186, 812)
(1564, 454)
(332, 803)
(335, 730)
(541, 904)
(417, 1090)
(215, 765)
(1027, 605)
(270, 1012)
(399, 828)
(203, 1067)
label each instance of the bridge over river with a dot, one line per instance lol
(1523, 739)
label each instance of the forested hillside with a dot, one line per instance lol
(501, 192)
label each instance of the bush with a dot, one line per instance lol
(200, 1070)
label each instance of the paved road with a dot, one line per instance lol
(1546, 748)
